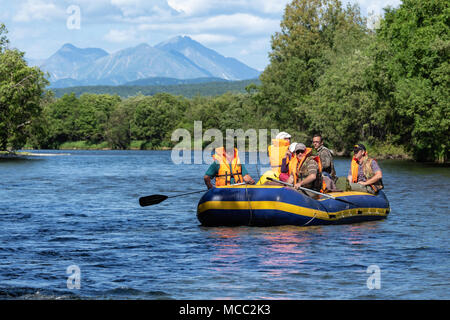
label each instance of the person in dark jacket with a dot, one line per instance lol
(326, 157)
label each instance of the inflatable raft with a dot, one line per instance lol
(264, 205)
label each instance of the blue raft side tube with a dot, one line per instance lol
(245, 206)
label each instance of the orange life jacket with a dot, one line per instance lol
(354, 167)
(227, 170)
(366, 164)
(319, 180)
(293, 164)
(277, 151)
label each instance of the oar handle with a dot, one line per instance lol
(281, 182)
(300, 188)
(312, 191)
(185, 194)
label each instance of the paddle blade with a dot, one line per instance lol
(151, 200)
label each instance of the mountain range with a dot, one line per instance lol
(178, 58)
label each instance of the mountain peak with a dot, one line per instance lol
(179, 57)
(182, 38)
(68, 46)
(177, 40)
(143, 45)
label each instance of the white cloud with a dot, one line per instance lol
(239, 23)
(257, 45)
(198, 7)
(374, 6)
(139, 8)
(191, 7)
(38, 10)
(119, 36)
(269, 6)
(128, 7)
(242, 22)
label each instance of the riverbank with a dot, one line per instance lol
(11, 154)
(25, 155)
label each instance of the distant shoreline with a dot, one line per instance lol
(22, 154)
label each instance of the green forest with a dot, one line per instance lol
(387, 87)
(189, 90)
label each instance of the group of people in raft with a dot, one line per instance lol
(296, 164)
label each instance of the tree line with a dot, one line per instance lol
(189, 90)
(328, 72)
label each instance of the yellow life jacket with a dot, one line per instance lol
(227, 170)
(277, 151)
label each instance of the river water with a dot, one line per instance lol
(72, 227)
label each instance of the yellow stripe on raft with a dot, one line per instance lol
(334, 194)
(281, 206)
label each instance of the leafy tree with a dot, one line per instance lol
(94, 113)
(21, 88)
(156, 117)
(62, 116)
(414, 54)
(39, 137)
(298, 58)
(3, 38)
(118, 128)
(343, 106)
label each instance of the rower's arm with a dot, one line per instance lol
(208, 181)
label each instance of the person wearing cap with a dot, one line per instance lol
(308, 173)
(326, 157)
(227, 169)
(364, 175)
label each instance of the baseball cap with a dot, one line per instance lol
(359, 146)
(292, 146)
(283, 135)
(300, 146)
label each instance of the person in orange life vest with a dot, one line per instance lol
(278, 151)
(226, 169)
(307, 173)
(288, 163)
(364, 175)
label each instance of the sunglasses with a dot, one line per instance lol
(299, 151)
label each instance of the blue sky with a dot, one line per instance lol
(234, 28)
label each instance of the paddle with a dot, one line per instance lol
(158, 198)
(312, 191)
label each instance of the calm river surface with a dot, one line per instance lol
(82, 210)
